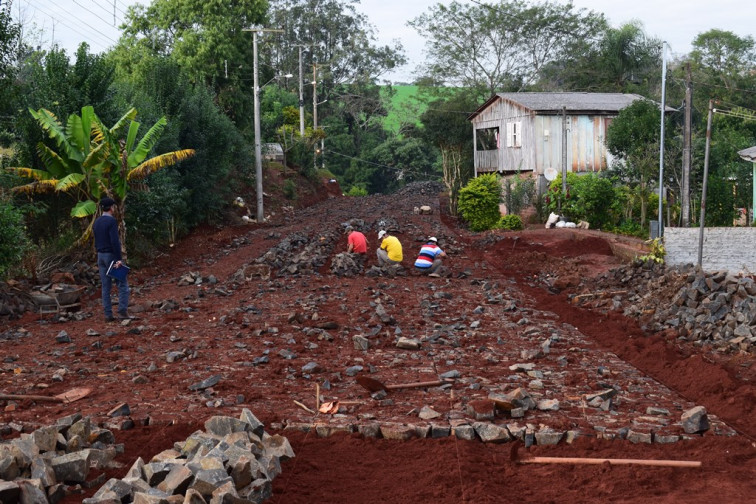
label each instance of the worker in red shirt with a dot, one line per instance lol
(356, 241)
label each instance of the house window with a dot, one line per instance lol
(487, 139)
(514, 134)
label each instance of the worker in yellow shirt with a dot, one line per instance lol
(390, 251)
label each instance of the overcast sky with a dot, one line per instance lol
(69, 22)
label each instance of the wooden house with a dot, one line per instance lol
(523, 132)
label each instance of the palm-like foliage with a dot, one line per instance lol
(92, 161)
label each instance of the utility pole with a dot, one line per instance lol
(703, 189)
(661, 142)
(260, 215)
(564, 153)
(315, 112)
(301, 97)
(685, 189)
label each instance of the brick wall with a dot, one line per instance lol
(732, 249)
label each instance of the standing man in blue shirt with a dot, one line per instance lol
(108, 247)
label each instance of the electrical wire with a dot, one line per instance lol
(91, 37)
(109, 12)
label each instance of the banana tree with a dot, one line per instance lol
(93, 161)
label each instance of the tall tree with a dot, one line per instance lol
(500, 46)
(446, 127)
(623, 60)
(207, 39)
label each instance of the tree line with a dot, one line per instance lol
(186, 67)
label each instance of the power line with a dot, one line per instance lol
(74, 29)
(91, 12)
(116, 18)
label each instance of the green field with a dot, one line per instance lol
(405, 107)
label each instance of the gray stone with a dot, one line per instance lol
(450, 375)
(243, 472)
(603, 395)
(82, 429)
(353, 370)
(46, 438)
(177, 480)
(360, 342)
(118, 488)
(270, 465)
(226, 494)
(9, 491)
(193, 497)
(522, 367)
(548, 437)
(63, 337)
(41, 469)
(258, 491)
(464, 432)
(155, 472)
(278, 446)
(225, 425)
(548, 405)
(256, 426)
(206, 383)
(136, 469)
(32, 492)
(152, 496)
(666, 438)
(370, 430)
(9, 469)
(439, 431)
(695, 420)
(120, 410)
(311, 367)
(639, 437)
(207, 480)
(652, 410)
(517, 413)
(490, 433)
(72, 467)
(398, 432)
(428, 413)
(408, 343)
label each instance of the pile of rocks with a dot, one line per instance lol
(300, 254)
(234, 460)
(37, 467)
(346, 264)
(713, 308)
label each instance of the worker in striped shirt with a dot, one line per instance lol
(429, 260)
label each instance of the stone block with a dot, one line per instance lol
(440, 430)
(32, 492)
(9, 469)
(256, 426)
(360, 342)
(271, 466)
(490, 433)
(278, 446)
(639, 437)
(695, 420)
(155, 472)
(46, 438)
(224, 425)
(115, 488)
(41, 469)
(260, 490)
(370, 430)
(151, 497)
(548, 405)
(207, 480)
(177, 480)
(548, 437)
(82, 429)
(482, 409)
(9, 491)
(464, 432)
(72, 467)
(398, 432)
(408, 343)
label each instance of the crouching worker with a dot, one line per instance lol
(390, 251)
(429, 260)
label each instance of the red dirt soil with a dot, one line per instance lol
(224, 327)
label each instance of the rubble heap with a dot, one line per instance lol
(233, 460)
(300, 254)
(708, 308)
(37, 467)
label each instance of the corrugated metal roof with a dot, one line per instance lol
(553, 102)
(748, 154)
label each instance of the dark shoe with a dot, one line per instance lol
(109, 318)
(124, 316)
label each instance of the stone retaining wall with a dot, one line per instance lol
(729, 249)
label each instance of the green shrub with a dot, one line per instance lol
(356, 191)
(290, 189)
(589, 197)
(479, 202)
(510, 222)
(13, 240)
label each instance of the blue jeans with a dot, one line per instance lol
(103, 261)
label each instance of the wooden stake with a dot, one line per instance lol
(317, 397)
(578, 460)
(303, 406)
